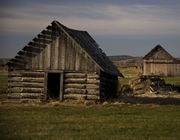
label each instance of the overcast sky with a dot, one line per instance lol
(120, 27)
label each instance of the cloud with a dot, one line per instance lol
(97, 19)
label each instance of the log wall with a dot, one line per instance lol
(75, 85)
(25, 85)
(81, 86)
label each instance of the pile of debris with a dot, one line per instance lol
(150, 84)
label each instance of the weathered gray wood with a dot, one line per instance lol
(25, 95)
(56, 53)
(92, 92)
(75, 80)
(92, 76)
(92, 86)
(74, 85)
(25, 84)
(40, 63)
(47, 57)
(26, 73)
(67, 55)
(62, 47)
(92, 97)
(78, 61)
(52, 57)
(74, 91)
(33, 74)
(93, 81)
(25, 90)
(26, 79)
(75, 96)
(75, 75)
(61, 96)
(11, 74)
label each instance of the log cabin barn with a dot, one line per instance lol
(159, 62)
(62, 63)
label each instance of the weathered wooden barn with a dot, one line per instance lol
(62, 63)
(159, 62)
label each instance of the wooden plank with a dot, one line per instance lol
(92, 97)
(60, 53)
(92, 86)
(42, 41)
(78, 62)
(25, 84)
(75, 80)
(56, 53)
(67, 55)
(11, 74)
(75, 96)
(25, 53)
(52, 57)
(93, 76)
(63, 58)
(74, 91)
(61, 86)
(28, 73)
(26, 79)
(75, 85)
(40, 62)
(47, 56)
(93, 81)
(73, 56)
(92, 92)
(26, 90)
(75, 75)
(28, 95)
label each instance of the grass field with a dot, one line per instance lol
(126, 122)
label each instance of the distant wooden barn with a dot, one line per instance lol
(159, 62)
(62, 63)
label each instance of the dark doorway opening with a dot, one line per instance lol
(53, 86)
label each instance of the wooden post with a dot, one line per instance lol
(61, 86)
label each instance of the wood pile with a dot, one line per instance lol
(152, 84)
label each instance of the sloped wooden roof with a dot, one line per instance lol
(83, 40)
(158, 52)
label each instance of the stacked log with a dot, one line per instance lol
(81, 86)
(93, 86)
(26, 85)
(74, 85)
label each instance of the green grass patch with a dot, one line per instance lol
(3, 83)
(123, 81)
(131, 72)
(90, 123)
(172, 80)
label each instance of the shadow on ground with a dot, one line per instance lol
(150, 100)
